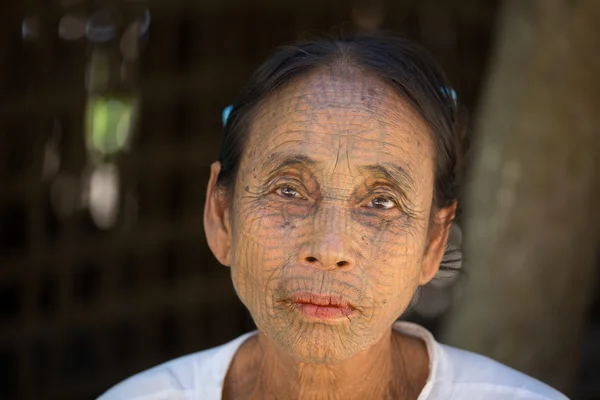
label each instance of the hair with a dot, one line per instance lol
(396, 61)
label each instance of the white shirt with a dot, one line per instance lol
(453, 375)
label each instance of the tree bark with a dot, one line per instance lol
(531, 226)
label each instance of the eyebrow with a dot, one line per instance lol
(391, 172)
(388, 171)
(279, 161)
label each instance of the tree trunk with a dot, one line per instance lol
(531, 205)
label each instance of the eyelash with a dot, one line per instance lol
(384, 197)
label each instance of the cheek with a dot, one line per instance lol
(264, 239)
(394, 265)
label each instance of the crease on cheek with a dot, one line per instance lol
(394, 258)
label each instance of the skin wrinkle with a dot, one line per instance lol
(339, 140)
(390, 172)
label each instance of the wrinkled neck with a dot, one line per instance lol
(396, 367)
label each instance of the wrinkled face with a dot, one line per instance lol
(333, 199)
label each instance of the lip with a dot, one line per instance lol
(322, 307)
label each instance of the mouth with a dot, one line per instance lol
(322, 307)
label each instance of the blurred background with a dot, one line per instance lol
(110, 116)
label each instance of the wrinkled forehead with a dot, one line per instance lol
(341, 107)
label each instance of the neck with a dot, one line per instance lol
(379, 372)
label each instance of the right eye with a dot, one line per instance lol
(289, 192)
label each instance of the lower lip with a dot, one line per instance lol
(323, 312)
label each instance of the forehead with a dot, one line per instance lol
(345, 110)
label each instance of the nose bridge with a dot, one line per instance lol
(334, 218)
(329, 242)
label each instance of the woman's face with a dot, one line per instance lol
(332, 206)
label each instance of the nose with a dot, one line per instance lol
(328, 253)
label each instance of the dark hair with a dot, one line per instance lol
(408, 68)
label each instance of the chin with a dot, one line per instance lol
(319, 343)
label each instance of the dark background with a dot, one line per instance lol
(84, 306)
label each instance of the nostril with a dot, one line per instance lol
(311, 259)
(342, 263)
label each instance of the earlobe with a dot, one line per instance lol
(216, 219)
(436, 243)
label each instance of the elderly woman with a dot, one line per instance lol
(331, 202)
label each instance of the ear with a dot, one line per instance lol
(436, 246)
(217, 224)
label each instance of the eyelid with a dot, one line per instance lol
(287, 180)
(384, 190)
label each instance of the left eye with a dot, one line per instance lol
(382, 203)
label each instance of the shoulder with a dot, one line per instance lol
(197, 375)
(479, 377)
(176, 379)
(457, 374)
